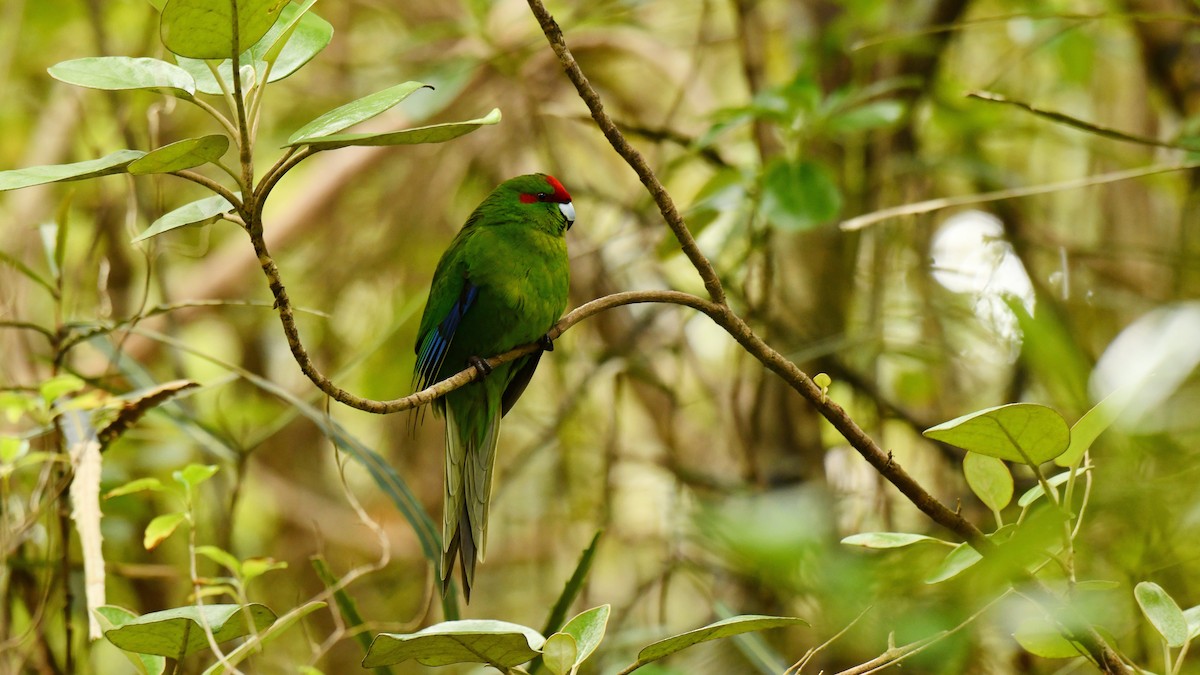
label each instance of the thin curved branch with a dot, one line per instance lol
(733, 324)
(27, 325)
(289, 160)
(211, 184)
(629, 153)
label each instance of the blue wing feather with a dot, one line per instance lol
(435, 344)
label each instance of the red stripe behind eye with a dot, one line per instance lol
(527, 198)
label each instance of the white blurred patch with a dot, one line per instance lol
(1150, 360)
(971, 256)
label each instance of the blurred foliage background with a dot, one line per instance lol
(771, 122)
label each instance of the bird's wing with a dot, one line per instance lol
(522, 373)
(449, 300)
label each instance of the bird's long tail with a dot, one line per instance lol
(472, 429)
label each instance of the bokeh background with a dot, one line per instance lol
(772, 123)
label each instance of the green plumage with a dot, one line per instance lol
(501, 283)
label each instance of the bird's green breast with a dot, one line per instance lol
(523, 274)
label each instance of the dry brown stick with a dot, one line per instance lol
(630, 154)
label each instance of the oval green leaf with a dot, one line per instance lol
(346, 116)
(714, 631)
(194, 474)
(199, 212)
(559, 653)
(1018, 432)
(54, 173)
(588, 630)
(134, 486)
(990, 480)
(160, 528)
(203, 29)
(294, 40)
(309, 35)
(123, 72)
(1040, 637)
(435, 133)
(181, 155)
(498, 643)
(1162, 613)
(113, 616)
(221, 557)
(1095, 421)
(180, 631)
(887, 539)
(866, 117)
(955, 563)
(207, 84)
(799, 195)
(1192, 616)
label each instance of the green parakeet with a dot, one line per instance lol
(501, 283)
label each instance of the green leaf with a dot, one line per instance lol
(310, 34)
(52, 173)
(497, 643)
(181, 155)
(990, 480)
(587, 629)
(135, 486)
(1036, 492)
(1041, 637)
(559, 653)
(199, 212)
(736, 625)
(159, 529)
(221, 557)
(346, 116)
(112, 616)
(874, 115)
(1162, 613)
(436, 133)
(799, 195)
(253, 568)
(59, 386)
(180, 631)
(955, 563)
(1092, 585)
(12, 448)
(888, 539)
(1018, 432)
(203, 29)
(1095, 421)
(1192, 616)
(194, 474)
(254, 645)
(206, 83)
(117, 73)
(294, 40)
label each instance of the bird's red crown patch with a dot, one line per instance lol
(560, 194)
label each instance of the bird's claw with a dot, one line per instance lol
(481, 366)
(546, 343)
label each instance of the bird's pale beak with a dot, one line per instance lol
(568, 211)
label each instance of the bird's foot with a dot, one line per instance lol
(546, 343)
(481, 366)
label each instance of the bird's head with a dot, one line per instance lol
(540, 188)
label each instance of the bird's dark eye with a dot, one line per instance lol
(541, 196)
